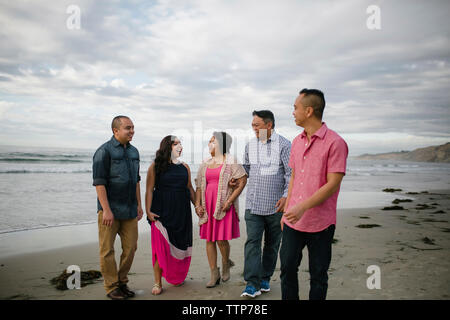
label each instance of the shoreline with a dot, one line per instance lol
(410, 268)
(39, 239)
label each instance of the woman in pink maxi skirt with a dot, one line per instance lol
(168, 196)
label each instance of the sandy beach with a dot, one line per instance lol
(411, 247)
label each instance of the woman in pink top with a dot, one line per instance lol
(217, 205)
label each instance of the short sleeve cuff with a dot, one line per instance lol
(99, 181)
(336, 170)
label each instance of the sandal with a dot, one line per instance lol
(157, 289)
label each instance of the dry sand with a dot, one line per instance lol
(410, 268)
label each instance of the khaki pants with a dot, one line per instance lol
(128, 232)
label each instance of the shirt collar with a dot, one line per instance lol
(273, 137)
(319, 133)
(116, 143)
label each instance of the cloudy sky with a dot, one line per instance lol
(193, 66)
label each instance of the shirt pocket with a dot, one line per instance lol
(116, 168)
(317, 162)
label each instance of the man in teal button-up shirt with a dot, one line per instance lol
(116, 178)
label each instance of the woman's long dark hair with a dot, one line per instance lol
(163, 155)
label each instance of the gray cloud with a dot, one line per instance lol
(168, 64)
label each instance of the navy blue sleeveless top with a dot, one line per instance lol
(171, 201)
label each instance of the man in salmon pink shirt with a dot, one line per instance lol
(318, 161)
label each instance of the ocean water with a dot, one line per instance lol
(42, 188)
(45, 188)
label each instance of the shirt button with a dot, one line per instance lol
(306, 144)
(301, 183)
(304, 157)
(303, 170)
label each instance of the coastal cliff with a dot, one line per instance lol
(428, 154)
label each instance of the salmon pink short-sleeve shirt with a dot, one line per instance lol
(326, 153)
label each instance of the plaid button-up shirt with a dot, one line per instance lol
(267, 166)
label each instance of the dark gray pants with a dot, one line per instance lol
(260, 264)
(319, 252)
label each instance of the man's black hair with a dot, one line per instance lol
(317, 102)
(266, 115)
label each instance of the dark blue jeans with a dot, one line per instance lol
(260, 264)
(319, 252)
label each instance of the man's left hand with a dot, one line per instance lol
(280, 204)
(232, 183)
(294, 213)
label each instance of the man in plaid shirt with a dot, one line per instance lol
(266, 161)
